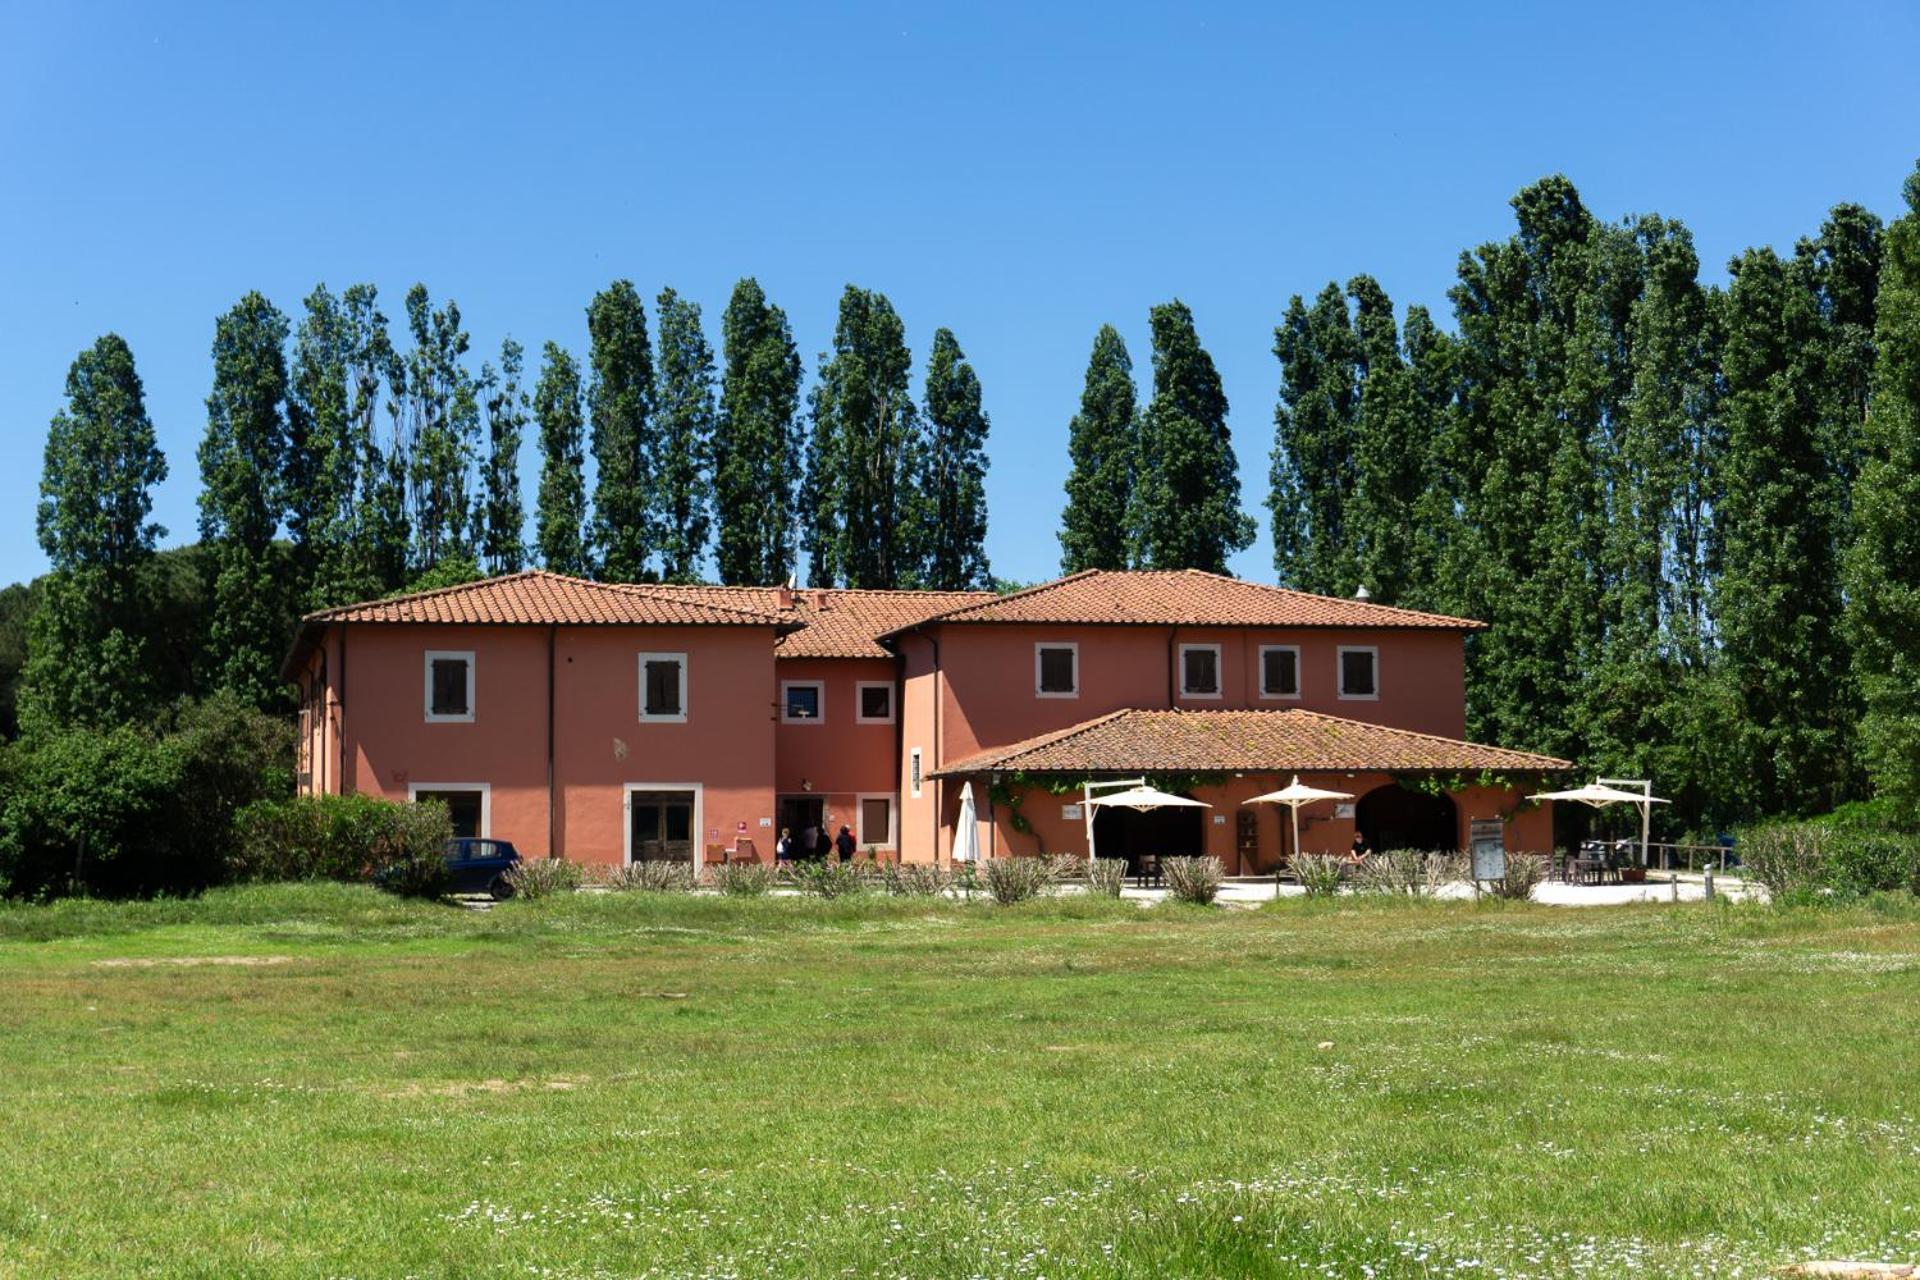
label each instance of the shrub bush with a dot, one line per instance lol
(1106, 876)
(1846, 854)
(1524, 872)
(913, 879)
(647, 877)
(741, 879)
(1320, 874)
(830, 879)
(1408, 871)
(414, 863)
(316, 838)
(1017, 879)
(1195, 880)
(543, 877)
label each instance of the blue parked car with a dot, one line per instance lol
(475, 865)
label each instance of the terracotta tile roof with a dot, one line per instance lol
(838, 622)
(540, 598)
(1189, 598)
(1240, 741)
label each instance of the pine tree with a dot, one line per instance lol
(86, 663)
(865, 453)
(1187, 503)
(440, 423)
(561, 520)
(243, 458)
(757, 442)
(953, 485)
(1883, 562)
(1103, 444)
(1315, 466)
(620, 404)
(1778, 599)
(683, 472)
(502, 517)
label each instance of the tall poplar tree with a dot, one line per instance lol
(383, 530)
(500, 521)
(1778, 599)
(560, 519)
(1103, 444)
(1314, 464)
(440, 421)
(86, 664)
(683, 470)
(323, 459)
(953, 484)
(620, 406)
(757, 442)
(861, 504)
(243, 459)
(1883, 562)
(1187, 502)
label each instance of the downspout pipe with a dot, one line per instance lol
(934, 640)
(553, 848)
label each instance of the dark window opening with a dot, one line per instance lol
(876, 702)
(1280, 672)
(1356, 673)
(463, 807)
(450, 687)
(803, 702)
(663, 687)
(1202, 671)
(1056, 671)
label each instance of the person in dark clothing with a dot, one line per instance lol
(845, 844)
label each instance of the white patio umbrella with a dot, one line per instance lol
(1602, 792)
(1139, 796)
(966, 831)
(1295, 794)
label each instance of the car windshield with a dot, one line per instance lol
(472, 850)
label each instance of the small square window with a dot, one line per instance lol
(875, 702)
(1056, 670)
(449, 686)
(1359, 673)
(1279, 671)
(800, 701)
(1200, 670)
(663, 686)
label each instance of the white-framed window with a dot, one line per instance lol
(1199, 670)
(1359, 672)
(803, 702)
(663, 688)
(449, 686)
(873, 702)
(1280, 671)
(913, 773)
(873, 818)
(1056, 669)
(469, 804)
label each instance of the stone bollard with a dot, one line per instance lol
(1709, 884)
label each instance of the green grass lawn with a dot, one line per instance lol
(321, 1081)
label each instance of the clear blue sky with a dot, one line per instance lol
(1021, 174)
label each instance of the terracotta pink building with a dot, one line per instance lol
(610, 723)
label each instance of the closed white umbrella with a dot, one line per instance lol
(966, 833)
(1295, 794)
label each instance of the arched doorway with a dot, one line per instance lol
(1392, 817)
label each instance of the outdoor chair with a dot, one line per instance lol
(1146, 871)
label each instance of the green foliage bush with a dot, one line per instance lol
(1524, 874)
(129, 811)
(913, 879)
(323, 838)
(1019, 879)
(1195, 880)
(1409, 872)
(742, 879)
(646, 877)
(1850, 853)
(534, 878)
(1106, 876)
(1320, 874)
(831, 878)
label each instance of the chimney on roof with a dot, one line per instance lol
(819, 598)
(1363, 593)
(783, 595)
